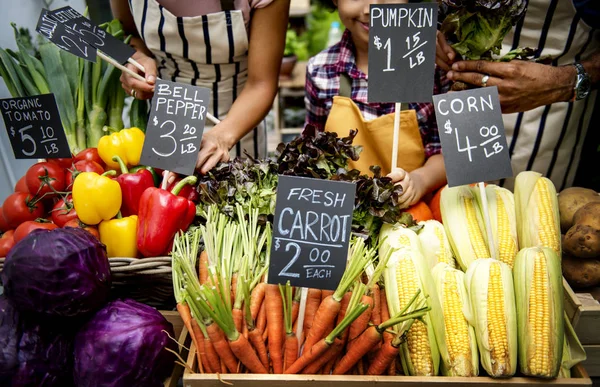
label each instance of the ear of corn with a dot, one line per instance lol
(397, 236)
(464, 225)
(491, 292)
(501, 206)
(539, 297)
(434, 244)
(405, 273)
(536, 204)
(460, 341)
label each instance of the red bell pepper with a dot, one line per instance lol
(133, 186)
(189, 191)
(161, 215)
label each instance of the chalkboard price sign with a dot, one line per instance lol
(175, 127)
(472, 134)
(63, 37)
(34, 127)
(93, 34)
(402, 52)
(311, 232)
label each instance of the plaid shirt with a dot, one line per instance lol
(323, 83)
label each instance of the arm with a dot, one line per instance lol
(316, 111)
(267, 40)
(144, 90)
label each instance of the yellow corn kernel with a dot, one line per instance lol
(546, 220)
(417, 336)
(507, 248)
(475, 234)
(498, 340)
(539, 316)
(444, 255)
(457, 328)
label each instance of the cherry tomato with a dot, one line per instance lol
(26, 227)
(63, 163)
(45, 177)
(3, 224)
(82, 166)
(90, 154)
(7, 241)
(76, 223)
(63, 211)
(21, 185)
(18, 208)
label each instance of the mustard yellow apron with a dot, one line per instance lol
(376, 136)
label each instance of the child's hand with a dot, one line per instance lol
(411, 185)
(445, 54)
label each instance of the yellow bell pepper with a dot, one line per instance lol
(96, 197)
(120, 236)
(126, 143)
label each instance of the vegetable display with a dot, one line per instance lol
(9, 340)
(124, 344)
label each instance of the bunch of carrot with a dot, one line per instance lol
(239, 323)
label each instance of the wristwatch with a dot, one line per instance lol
(583, 84)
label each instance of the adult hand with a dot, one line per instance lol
(412, 187)
(522, 85)
(444, 53)
(214, 148)
(134, 87)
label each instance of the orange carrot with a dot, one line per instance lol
(186, 317)
(391, 371)
(203, 267)
(198, 340)
(256, 299)
(313, 300)
(259, 346)
(386, 356)
(308, 356)
(213, 359)
(329, 355)
(367, 340)
(324, 318)
(238, 318)
(376, 314)
(343, 308)
(217, 338)
(295, 310)
(325, 294)
(291, 350)
(326, 370)
(385, 312)
(261, 321)
(360, 324)
(245, 330)
(275, 328)
(242, 349)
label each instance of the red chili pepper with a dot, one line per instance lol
(133, 186)
(189, 191)
(161, 215)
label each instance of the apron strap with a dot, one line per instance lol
(227, 5)
(346, 89)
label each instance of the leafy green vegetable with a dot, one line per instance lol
(476, 28)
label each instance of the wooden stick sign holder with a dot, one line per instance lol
(397, 109)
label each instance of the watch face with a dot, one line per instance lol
(583, 85)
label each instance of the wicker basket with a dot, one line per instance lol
(146, 280)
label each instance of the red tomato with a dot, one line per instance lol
(63, 163)
(21, 185)
(82, 166)
(76, 223)
(7, 241)
(44, 177)
(63, 211)
(18, 208)
(26, 227)
(3, 224)
(90, 154)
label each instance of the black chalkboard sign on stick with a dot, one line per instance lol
(34, 127)
(402, 41)
(473, 140)
(175, 127)
(311, 232)
(63, 37)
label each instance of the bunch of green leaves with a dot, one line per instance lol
(315, 154)
(476, 28)
(376, 201)
(319, 22)
(296, 45)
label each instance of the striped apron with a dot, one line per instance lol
(549, 139)
(209, 51)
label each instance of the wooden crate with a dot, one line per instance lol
(592, 363)
(579, 378)
(584, 312)
(182, 336)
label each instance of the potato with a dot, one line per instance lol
(582, 241)
(581, 273)
(588, 215)
(572, 199)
